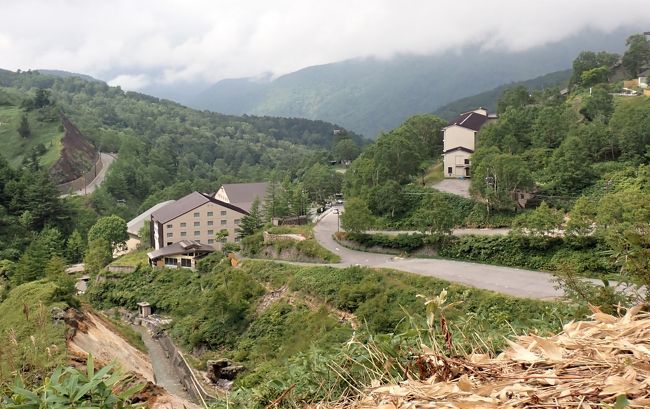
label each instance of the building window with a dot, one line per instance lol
(186, 262)
(197, 214)
(210, 214)
(170, 261)
(197, 233)
(210, 241)
(449, 170)
(183, 234)
(223, 212)
(170, 234)
(183, 224)
(210, 232)
(236, 239)
(521, 195)
(466, 161)
(169, 226)
(237, 221)
(197, 224)
(224, 240)
(223, 222)
(210, 222)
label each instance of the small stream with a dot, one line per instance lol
(162, 368)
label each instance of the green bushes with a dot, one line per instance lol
(586, 256)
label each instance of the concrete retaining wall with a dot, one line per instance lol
(83, 180)
(184, 372)
(121, 269)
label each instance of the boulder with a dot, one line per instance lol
(218, 369)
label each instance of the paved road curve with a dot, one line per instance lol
(107, 160)
(506, 280)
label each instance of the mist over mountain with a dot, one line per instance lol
(371, 95)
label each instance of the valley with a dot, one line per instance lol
(277, 261)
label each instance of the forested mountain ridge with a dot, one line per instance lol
(370, 95)
(489, 99)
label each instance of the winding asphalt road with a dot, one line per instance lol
(107, 160)
(506, 280)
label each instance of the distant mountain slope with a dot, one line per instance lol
(370, 95)
(489, 99)
(67, 74)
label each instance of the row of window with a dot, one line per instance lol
(210, 214)
(196, 233)
(210, 241)
(185, 262)
(210, 223)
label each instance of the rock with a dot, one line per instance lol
(57, 314)
(218, 363)
(220, 369)
(230, 372)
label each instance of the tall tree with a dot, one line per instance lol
(98, 255)
(435, 216)
(346, 150)
(112, 229)
(356, 218)
(498, 177)
(569, 169)
(637, 54)
(321, 182)
(598, 105)
(589, 61)
(515, 97)
(24, 130)
(252, 222)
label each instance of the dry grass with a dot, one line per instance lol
(604, 362)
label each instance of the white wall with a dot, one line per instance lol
(456, 161)
(456, 136)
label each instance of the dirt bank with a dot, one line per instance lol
(93, 334)
(78, 155)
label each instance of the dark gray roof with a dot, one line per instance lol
(180, 247)
(470, 120)
(188, 203)
(243, 194)
(459, 148)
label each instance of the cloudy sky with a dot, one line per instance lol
(135, 43)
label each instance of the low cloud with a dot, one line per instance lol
(189, 40)
(131, 82)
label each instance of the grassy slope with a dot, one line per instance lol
(134, 259)
(18, 351)
(14, 148)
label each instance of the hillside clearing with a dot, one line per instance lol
(15, 148)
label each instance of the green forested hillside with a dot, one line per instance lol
(164, 146)
(371, 95)
(490, 98)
